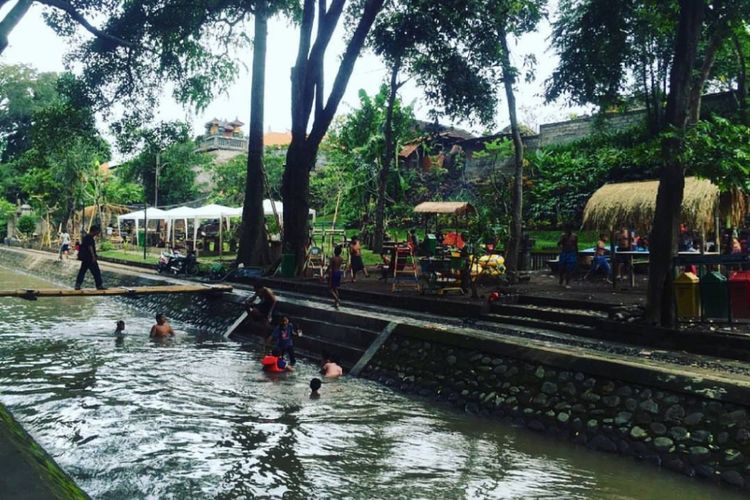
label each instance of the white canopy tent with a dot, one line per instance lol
(139, 215)
(179, 213)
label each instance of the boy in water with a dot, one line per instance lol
(161, 329)
(314, 388)
(334, 282)
(330, 368)
(263, 310)
(120, 329)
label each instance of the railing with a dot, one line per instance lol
(220, 142)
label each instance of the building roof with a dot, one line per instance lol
(277, 138)
(444, 207)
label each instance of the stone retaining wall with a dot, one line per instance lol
(681, 431)
(208, 313)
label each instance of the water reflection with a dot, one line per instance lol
(193, 417)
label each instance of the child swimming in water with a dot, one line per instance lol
(314, 388)
(120, 328)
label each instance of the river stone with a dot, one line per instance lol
(705, 471)
(589, 383)
(539, 373)
(592, 424)
(646, 394)
(497, 361)
(602, 443)
(693, 418)
(549, 387)
(624, 391)
(451, 360)
(663, 444)
(569, 389)
(701, 436)
(579, 376)
(631, 404)
(658, 428)
(590, 397)
(500, 369)
(623, 417)
(699, 454)
(536, 425)
(564, 376)
(486, 360)
(638, 433)
(674, 413)
(563, 417)
(679, 433)
(736, 417)
(671, 399)
(476, 357)
(732, 457)
(540, 399)
(743, 436)
(512, 371)
(650, 406)
(611, 401)
(733, 477)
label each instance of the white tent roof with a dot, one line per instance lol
(151, 213)
(180, 213)
(211, 211)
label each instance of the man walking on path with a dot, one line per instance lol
(87, 256)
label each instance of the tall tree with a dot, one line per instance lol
(64, 15)
(308, 95)
(672, 177)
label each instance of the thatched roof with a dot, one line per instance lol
(632, 204)
(90, 210)
(444, 207)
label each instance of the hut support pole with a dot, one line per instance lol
(613, 258)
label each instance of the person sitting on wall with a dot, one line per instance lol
(263, 310)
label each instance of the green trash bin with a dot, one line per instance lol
(288, 265)
(715, 295)
(430, 244)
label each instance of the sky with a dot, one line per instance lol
(33, 43)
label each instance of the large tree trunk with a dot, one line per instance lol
(10, 21)
(253, 250)
(390, 151)
(306, 76)
(513, 248)
(660, 296)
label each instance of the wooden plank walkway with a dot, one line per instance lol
(33, 294)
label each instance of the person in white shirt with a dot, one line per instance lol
(64, 244)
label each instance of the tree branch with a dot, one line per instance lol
(78, 17)
(299, 117)
(10, 21)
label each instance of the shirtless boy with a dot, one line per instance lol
(161, 329)
(334, 281)
(330, 368)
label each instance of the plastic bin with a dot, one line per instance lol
(430, 244)
(687, 296)
(288, 265)
(715, 295)
(739, 295)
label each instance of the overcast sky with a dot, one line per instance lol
(33, 43)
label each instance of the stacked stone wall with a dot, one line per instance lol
(681, 431)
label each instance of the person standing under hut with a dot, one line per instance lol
(568, 260)
(355, 254)
(87, 256)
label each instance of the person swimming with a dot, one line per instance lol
(275, 363)
(161, 329)
(330, 368)
(314, 388)
(120, 328)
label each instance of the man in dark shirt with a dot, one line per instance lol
(87, 256)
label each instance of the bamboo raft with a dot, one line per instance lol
(33, 294)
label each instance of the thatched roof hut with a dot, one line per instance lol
(444, 207)
(632, 204)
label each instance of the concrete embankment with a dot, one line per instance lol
(686, 413)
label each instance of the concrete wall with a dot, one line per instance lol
(664, 419)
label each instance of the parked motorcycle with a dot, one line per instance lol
(176, 263)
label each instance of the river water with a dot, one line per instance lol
(194, 418)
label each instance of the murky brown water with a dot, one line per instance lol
(195, 418)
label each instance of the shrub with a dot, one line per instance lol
(106, 246)
(26, 225)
